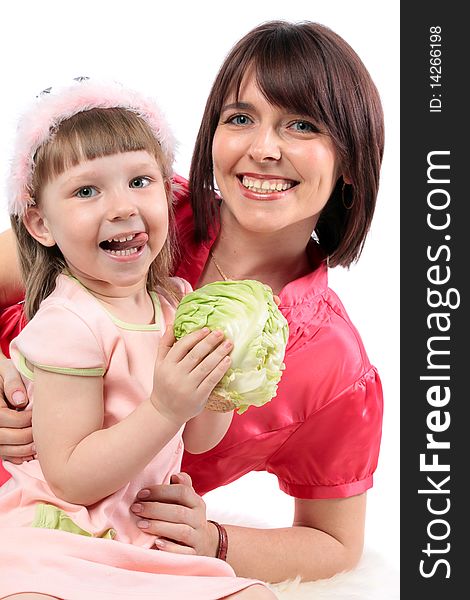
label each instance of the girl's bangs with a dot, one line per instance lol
(89, 135)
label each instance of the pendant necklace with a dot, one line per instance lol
(221, 273)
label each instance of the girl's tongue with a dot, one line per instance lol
(137, 241)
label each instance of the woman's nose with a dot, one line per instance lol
(266, 145)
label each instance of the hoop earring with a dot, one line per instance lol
(351, 204)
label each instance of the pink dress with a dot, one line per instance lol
(73, 333)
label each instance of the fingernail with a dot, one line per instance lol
(143, 494)
(159, 543)
(143, 524)
(33, 448)
(18, 398)
(137, 508)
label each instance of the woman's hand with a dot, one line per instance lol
(16, 437)
(177, 515)
(187, 371)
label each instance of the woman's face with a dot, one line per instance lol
(273, 167)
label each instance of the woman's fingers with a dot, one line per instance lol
(15, 460)
(16, 434)
(11, 385)
(176, 532)
(176, 514)
(182, 494)
(171, 546)
(16, 437)
(14, 419)
(183, 478)
(17, 454)
(177, 502)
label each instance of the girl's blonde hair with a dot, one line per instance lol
(87, 135)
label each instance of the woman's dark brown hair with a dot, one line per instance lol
(308, 69)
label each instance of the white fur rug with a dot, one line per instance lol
(372, 579)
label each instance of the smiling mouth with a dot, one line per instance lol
(266, 186)
(124, 245)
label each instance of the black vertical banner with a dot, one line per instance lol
(435, 356)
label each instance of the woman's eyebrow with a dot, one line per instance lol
(238, 106)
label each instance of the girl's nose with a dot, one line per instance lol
(266, 145)
(121, 206)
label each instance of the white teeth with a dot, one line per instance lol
(265, 186)
(127, 252)
(123, 239)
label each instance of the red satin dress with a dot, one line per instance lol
(321, 434)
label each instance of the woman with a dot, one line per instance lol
(293, 134)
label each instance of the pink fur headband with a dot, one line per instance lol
(38, 124)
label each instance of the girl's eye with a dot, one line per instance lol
(86, 192)
(139, 182)
(239, 120)
(303, 127)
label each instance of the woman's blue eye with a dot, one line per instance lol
(86, 192)
(240, 120)
(139, 182)
(303, 127)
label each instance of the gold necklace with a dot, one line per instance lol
(221, 273)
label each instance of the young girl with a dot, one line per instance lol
(90, 199)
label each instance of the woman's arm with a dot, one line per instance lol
(206, 430)
(11, 286)
(326, 537)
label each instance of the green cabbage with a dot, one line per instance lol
(247, 314)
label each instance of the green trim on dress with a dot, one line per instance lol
(48, 516)
(157, 311)
(29, 374)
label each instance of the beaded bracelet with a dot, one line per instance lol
(223, 540)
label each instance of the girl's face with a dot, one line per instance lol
(109, 217)
(273, 167)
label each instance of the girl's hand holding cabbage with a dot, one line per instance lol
(248, 315)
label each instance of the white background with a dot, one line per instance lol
(172, 51)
